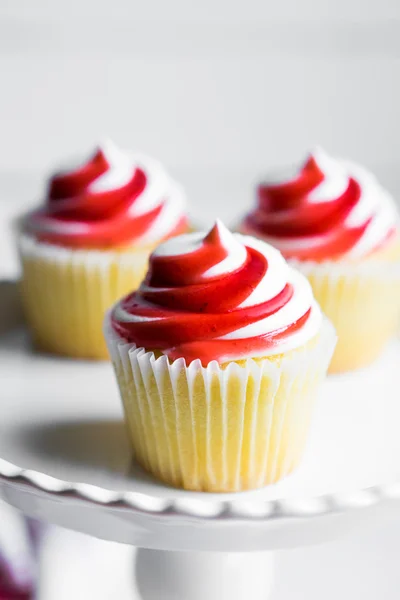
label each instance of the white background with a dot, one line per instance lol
(221, 91)
(217, 89)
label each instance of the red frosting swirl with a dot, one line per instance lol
(328, 209)
(217, 297)
(112, 200)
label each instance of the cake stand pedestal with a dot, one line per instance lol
(65, 459)
(203, 575)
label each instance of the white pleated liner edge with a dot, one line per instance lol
(138, 363)
(118, 345)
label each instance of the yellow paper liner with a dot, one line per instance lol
(219, 428)
(66, 293)
(363, 302)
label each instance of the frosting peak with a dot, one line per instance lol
(113, 199)
(197, 257)
(218, 296)
(328, 209)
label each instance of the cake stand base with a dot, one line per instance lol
(164, 575)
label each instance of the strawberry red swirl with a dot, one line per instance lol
(112, 200)
(328, 210)
(218, 296)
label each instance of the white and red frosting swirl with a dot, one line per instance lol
(114, 199)
(327, 210)
(218, 296)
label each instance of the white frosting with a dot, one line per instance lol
(181, 244)
(277, 275)
(174, 208)
(119, 172)
(336, 178)
(274, 279)
(190, 242)
(375, 203)
(160, 190)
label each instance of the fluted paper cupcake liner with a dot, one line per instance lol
(219, 428)
(66, 293)
(363, 302)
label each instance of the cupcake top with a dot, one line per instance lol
(329, 209)
(218, 296)
(113, 199)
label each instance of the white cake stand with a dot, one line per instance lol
(65, 459)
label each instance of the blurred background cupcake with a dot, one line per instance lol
(219, 356)
(89, 244)
(341, 228)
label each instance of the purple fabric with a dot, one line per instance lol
(18, 541)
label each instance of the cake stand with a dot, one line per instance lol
(64, 458)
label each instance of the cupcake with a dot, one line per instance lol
(89, 244)
(218, 356)
(334, 221)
